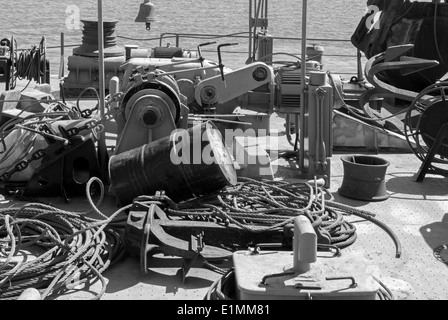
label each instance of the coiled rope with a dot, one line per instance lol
(31, 63)
(259, 206)
(75, 248)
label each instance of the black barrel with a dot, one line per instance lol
(187, 164)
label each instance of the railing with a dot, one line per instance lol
(243, 35)
(240, 35)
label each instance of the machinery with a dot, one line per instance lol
(426, 129)
(178, 87)
(8, 56)
(163, 85)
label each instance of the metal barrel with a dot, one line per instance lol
(187, 164)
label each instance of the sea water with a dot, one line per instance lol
(30, 20)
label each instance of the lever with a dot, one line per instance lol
(200, 52)
(221, 66)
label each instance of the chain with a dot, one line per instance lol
(22, 165)
(90, 125)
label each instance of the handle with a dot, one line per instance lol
(221, 66)
(200, 52)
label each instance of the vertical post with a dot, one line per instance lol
(266, 9)
(304, 245)
(360, 71)
(250, 30)
(102, 148)
(303, 87)
(62, 64)
(44, 46)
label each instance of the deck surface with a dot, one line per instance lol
(416, 212)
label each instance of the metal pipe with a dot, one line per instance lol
(266, 12)
(360, 71)
(255, 30)
(186, 70)
(202, 35)
(303, 87)
(62, 64)
(318, 133)
(250, 30)
(102, 148)
(44, 45)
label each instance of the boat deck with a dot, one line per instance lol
(416, 212)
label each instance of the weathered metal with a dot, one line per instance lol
(146, 236)
(364, 178)
(392, 59)
(185, 164)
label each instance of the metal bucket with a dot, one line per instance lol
(364, 178)
(186, 164)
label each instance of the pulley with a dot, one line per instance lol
(150, 115)
(151, 109)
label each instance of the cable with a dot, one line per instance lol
(384, 293)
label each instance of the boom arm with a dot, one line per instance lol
(237, 83)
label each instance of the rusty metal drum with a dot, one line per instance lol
(187, 164)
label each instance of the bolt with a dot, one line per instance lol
(150, 118)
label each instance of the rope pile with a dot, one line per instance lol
(258, 206)
(72, 249)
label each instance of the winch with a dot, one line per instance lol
(151, 109)
(8, 54)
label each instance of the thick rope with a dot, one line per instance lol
(260, 206)
(76, 248)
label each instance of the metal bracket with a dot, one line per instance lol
(145, 236)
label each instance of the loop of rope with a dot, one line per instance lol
(76, 248)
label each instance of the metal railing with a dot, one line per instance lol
(179, 37)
